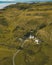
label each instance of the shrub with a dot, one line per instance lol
(42, 26)
(3, 22)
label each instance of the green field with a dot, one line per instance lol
(16, 22)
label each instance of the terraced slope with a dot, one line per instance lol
(16, 23)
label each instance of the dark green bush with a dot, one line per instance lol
(42, 26)
(3, 22)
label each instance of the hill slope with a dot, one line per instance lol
(16, 23)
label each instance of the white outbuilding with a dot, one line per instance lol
(36, 40)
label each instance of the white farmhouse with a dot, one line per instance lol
(31, 37)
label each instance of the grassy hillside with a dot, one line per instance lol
(17, 21)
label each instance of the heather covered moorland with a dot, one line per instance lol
(26, 28)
